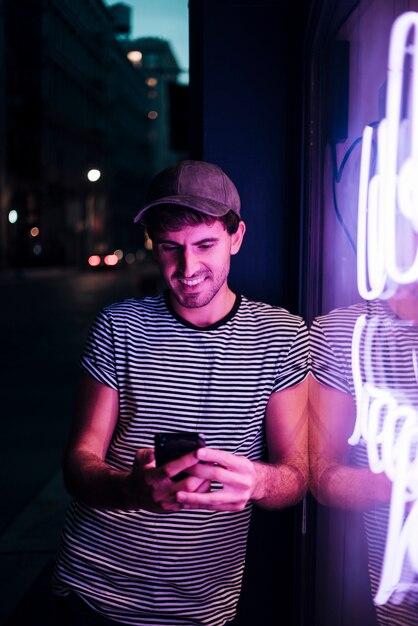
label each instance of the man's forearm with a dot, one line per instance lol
(90, 480)
(279, 486)
(349, 487)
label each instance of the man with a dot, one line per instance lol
(138, 547)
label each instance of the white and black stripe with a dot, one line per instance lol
(392, 369)
(139, 567)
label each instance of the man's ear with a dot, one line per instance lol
(237, 237)
(153, 248)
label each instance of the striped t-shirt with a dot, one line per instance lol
(139, 567)
(385, 359)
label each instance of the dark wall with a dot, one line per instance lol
(246, 101)
(246, 109)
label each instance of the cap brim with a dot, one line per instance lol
(201, 205)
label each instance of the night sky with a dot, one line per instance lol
(167, 19)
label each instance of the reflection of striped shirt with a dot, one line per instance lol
(387, 363)
(139, 567)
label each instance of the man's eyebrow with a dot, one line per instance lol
(167, 241)
(206, 240)
(194, 243)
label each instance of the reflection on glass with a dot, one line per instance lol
(365, 393)
(364, 389)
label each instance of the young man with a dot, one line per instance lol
(139, 547)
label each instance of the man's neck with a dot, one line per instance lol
(213, 312)
(405, 303)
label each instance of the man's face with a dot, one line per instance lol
(195, 262)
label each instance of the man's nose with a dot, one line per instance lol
(189, 263)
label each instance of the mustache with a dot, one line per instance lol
(181, 276)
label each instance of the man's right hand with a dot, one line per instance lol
(152, 488)
(91, 480)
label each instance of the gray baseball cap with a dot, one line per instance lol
(196, 185)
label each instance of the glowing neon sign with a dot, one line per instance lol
(390, 430)
(388, 223)
(388, 202)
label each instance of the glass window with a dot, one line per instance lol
(364, 311)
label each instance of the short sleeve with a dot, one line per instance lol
(295, 366)
(326, 367)
(98, 358)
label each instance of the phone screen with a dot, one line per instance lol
(171, 446)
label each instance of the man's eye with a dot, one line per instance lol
(205, 246)
(168, 248)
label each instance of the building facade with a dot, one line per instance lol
(71, 101)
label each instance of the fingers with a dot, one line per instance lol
(145, 457)
(224, 468)
(165, 494)
(217, 474)
(226, 459)
(219, 500)
(204, 487)
(235, 474)
(154, 489)
(192, 484)
(172, 468)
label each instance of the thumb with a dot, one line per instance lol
(145, 456)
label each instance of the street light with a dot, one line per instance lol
(93, 175)
(13, 216)
(135, 56)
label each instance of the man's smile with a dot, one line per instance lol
(191, 282)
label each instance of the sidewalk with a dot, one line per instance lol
(27, 550)
(11, 275)
(45, 318)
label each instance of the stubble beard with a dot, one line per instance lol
(198, 300)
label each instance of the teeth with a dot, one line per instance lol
(191, 283)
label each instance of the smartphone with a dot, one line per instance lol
(171, 446)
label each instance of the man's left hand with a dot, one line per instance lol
(236, 474)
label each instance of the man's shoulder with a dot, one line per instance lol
(264, 312)
(341, 321)
(149, 307)
(351, 311)
(148, 302)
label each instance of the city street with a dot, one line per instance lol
(45, 317)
